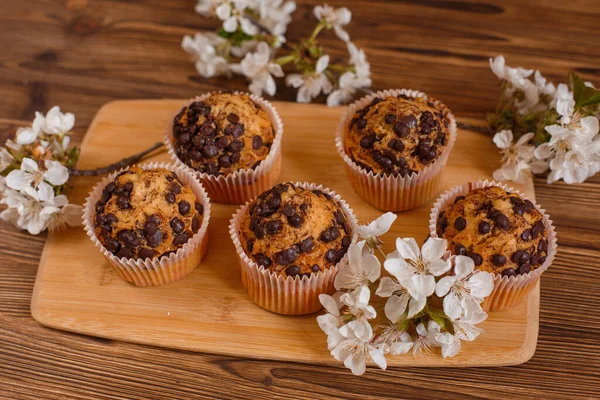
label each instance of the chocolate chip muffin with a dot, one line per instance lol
(499, 230)
(146, 214)
(222, 134)
(397, 135)
(295, 231)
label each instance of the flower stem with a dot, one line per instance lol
(320, 26)
(118, 165)
(286, 59)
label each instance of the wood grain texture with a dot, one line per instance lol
(81, 54)
(209, 310)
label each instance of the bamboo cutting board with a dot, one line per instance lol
(209, 311)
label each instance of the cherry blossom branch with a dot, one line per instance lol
(117, 165)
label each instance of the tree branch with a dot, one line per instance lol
(118, 165)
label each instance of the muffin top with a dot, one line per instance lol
(223, 134)
(500, 231)
(294, 231)
(146, 214)
(397, 135)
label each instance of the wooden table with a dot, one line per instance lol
(80, 54)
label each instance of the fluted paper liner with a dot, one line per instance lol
(155, 271)
(387, 192)
(241, 185)
(287, 295)
(508, 291)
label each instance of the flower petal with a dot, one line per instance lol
(415, 305)
(452, 306)
(378, 358)
(408, 248)
(396, 306)
(371, 267)
(503, 139)
(443, 286)
(356, 363)
(18, 179)
(434, 249)
(387, 287)
(330, 304)
(481, 284)
(57, 174)
(439, 267)
(421, 285)
(463, 266)
(399, 268)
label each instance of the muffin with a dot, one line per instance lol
(503, 232)
(146, 214)
(290, 241)
(394, 144)
(150, 222)
(231, 140)
(295, 232)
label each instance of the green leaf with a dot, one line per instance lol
(441, 318)
(403, 324)
(583, 95)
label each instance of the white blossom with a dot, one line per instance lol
(331, 322)
(370, 233)
(28, 135)
(27, 212)
(259, 68)
(517, 158)
(416, 269)
(464, 291)
(202, 47)
(57, 123)
(6, 159)
(311, 85)
(356, 348)
(232, 15)
(335, 18)
(394, 341)
(349, 82)
(358, 59)
(426, 340)
(544, 87)
(207, 7)
(38, 182)
(451, 344)
(399, 300)
(518, 79)
(275, 15)
(361, 270)
(68, 214)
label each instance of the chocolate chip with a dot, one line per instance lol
(233, 118)
(315, 268)
(442, 223)
(409, 120)
(181, 239)
(509, 272)
(346, 241)
(542, 260)
(200, 208)
(259, 232)
(287, 256)
(263, 260)
(128, 238)
(110, 187)
(502, 221)
(225, 161)
(361, 123)
(210, 151)
(537, 229)
(257, 142)
(458, 198)
(484, 227)
(150, 228)
(184, 207)
(274, 202)
(273, 227)
(524, 269)
(367, 141)
(307, 245)
(235, 157)
(211, 168)
(476, 258)
(397, 145)
(331, 255)
(123, 202)
(154, 239)
(520, 257)
(460, 223)
(390, 119)
(296, 220)
(170, 197)
(254, 222)
(177, 225)
(330, 234)
(128, 186)
(235, 146)
(237, 130)
(292, 270)
(207, 129)
(339, 217)
(542, 246)
(222, 142)
(146, 253)
(195, 224)
(288, 210)
(195, 155)
(460, 250)
(498, 260)
(535, 259)
(401, 130)
(516, 200)
(124, 252)
(526, 235)
(112, 245)
(175, 187)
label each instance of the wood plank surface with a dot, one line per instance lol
(209, 311)
(81, 54)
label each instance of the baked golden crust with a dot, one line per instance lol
(397, 135)
(499, 230)
(146, 214)
(295, 231)
(223, 134)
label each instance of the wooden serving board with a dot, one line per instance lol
(209, 311)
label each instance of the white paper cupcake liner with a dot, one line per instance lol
(241, 185)
(287, 295)
(508, 291)
(387, 192)
(156, 271)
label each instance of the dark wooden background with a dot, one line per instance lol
(80, 54)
